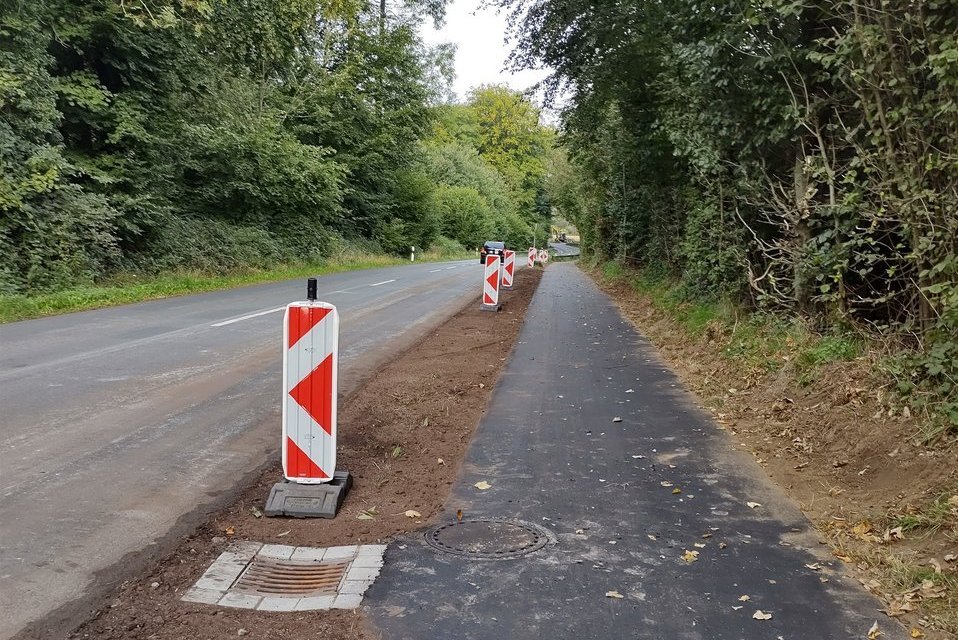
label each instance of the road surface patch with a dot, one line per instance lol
(275, 577)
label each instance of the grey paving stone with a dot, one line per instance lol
(372, 549)
(368, 562)
(277, 551)
(367, 574)
(354, 587)
(271, 603)
(315, 603)
(341, 553)
(239, 601)
(308, 553)
(203, 596)
(347, 601)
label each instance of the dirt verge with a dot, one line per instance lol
(402, 434)
(886, 504)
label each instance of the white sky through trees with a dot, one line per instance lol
(481, 54)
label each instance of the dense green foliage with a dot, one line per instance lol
(799, 155)
(170, 135)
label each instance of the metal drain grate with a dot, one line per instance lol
(272, 577)
(488, 538)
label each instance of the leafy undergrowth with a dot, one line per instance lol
(822, 415)
(128, 288)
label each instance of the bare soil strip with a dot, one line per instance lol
(403, 435)
(885, 503)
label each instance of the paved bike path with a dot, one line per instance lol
(555, 456)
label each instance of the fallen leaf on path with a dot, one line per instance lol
(699, 545)
(367, 514)
(916, 633)
(744, 598)
(665, 483)
(580, 532)
(482, 485)
(935, 564)
(814, 567)
(690, 556)
(951, 557)
(753, 505)
(737, 608)
(676, 490)
(284, 534)
(874, 631)
(630, 390)
(412, 514)
(706, 535)
(722, 545)
(440, 461)
(230, 531)
(617, 419)
(761, 615)
(256, 512)
(613, 594)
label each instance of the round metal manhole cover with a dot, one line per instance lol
(488, 538)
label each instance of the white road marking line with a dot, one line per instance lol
(383, 282)
(247, 317)
(436, 270)
(452, 267)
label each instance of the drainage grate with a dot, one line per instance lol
(269, 576)
(488, 538)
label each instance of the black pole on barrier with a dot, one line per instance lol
(311, 289)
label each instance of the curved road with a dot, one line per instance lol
(117, 422)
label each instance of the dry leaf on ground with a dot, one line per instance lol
(874, 631)
(753, 505)
(413, 514)
(761, 615)
(482, 485)
(613, 594)
(690, 556)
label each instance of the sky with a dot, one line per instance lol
(481, 56)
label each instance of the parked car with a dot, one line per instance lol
(493, 247)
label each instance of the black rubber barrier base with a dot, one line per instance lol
(296, 500)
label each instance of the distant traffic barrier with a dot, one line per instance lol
(532, 256)
(543, 256)
(490, 283)
(508, 268)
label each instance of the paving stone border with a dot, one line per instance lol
(214, 587)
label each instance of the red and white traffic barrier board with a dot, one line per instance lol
(490, 282)
(543, 256)
(532, 256)
(508, 268)
(311, 341)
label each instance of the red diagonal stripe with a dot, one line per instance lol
(302, 319)
(300, 465)
(314, 393)
(493, 279)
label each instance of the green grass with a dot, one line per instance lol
(127, 288)
(757, 340)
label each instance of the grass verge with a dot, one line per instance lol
(757, 340)
(128, 288)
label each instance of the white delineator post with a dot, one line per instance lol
(310, 369)
(508, 268)
(532, 256)
(490, 283)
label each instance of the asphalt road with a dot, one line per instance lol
(590, 436)
(116, 423)
(564, 250)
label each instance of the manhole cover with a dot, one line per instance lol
(488, 539)
(267, 576)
